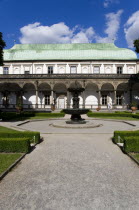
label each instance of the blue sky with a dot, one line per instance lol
(69, 21)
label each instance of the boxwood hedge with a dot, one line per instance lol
(15, 116)
(124, 134)
(131, 144)
(117, 114)
(15, 145)
(34, 137)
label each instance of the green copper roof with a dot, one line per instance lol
(97, 51)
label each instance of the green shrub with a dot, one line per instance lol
(131, 144)
(15, 145)
(123, 134)
(9, 115)
(22, 134)
(135, 116)
(117, 114)
(27, 114)
(44, 114)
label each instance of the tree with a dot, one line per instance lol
(2, 45)
(136, 45)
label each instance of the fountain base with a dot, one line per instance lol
(76, 115)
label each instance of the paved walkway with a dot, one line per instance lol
(74, 171)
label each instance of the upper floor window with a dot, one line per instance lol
(96, 69)
(119, 69)
(26, 72)
(50, 69)
(73, 69)
(5, 70)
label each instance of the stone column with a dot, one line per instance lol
(114, 101)
(68, 99)
(52, 97)
(83, 94)
(99, 96)
(37, 93)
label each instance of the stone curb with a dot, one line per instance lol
(11, 167)
(129, 123)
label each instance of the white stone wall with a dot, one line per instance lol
(64, 67)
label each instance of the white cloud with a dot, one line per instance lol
(112, 27)
(131, 28)
(57, 33)
(108, 2)
(61, 33)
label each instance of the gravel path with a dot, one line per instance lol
(73, 172)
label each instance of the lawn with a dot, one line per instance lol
(6, 160)
(135, 155)
(4, 129)
(116, 118)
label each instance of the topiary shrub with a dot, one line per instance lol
(131, 144)
(15, 145)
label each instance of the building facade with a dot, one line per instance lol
(38, 76)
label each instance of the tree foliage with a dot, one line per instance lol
(136, 45)
(2, 45)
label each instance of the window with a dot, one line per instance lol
(73, 69)
(50, 69)
(104, 99)
(119, 70)
(47, 99)
(6, 70)
(96, 69)
(27, 72)
(119, 99)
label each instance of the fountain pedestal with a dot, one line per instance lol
(76, 112)
(76, 115)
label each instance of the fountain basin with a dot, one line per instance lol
(76, 115)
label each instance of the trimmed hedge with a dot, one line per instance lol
(27, 114)
(15, 145)
(14, 115)
(22, 134)
(124, 134)
(131, 144)
(117, 114)
(9, 115)
(44, 114)
(135, 116)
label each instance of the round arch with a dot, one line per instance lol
(122, 87)
(107, 87)
(91, 95)
(44, 87)
(60, 88)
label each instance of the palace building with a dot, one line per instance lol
(38, 76)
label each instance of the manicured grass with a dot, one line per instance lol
(135, 155)
(116, 118)
(6, 160)
(4, 129)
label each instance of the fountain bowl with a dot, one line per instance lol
(76, 115)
